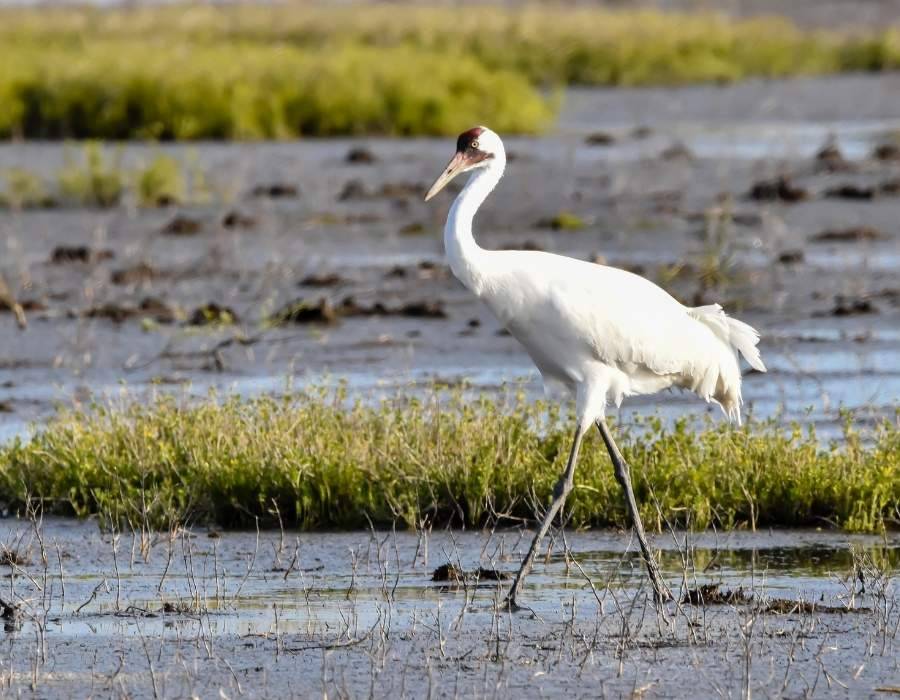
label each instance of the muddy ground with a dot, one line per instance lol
(128, 301)
(679, 185)
(207, 614)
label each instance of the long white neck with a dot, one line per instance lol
(465, 256)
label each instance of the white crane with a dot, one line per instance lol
(602, 332)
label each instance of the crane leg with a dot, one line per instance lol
(563, 487)
(661, 592)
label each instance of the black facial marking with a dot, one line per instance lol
(465, 140)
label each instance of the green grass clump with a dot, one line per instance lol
(94, 179)
(160, 183)
(327, 465)
(94, 176)
(22, 189)
(564, 221)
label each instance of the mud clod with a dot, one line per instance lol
(779, 189)
(353, 189)
(157, 309)
(848, 191)
(831, 159)
(422, 309)
(136, 274)
(713, 594)
(790, 257)
(447, 573)
(330, 279)
(886, 151)
(401, 190)
(889, 187)
(849, 235)
(641, 132)
(302, 311)
(236, 219)
(111, 311)
(118, 313)
(853, 307)
(80, 253)
(490, 575)
(275, 190)
(183, 226)
(600, 138)
(677, 151)
(360, 155)
(11, 614)
(13, 557)
(450, 573)
(412, 309)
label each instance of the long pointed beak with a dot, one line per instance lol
(456, 165)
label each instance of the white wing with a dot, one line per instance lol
(567, 312)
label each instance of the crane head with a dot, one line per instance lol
(475, 148)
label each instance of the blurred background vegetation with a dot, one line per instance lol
(183, 72)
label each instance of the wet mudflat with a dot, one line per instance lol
(345, 615)
(313, 261)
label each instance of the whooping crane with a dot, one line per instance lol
(602, 332)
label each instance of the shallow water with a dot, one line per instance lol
(291, 613)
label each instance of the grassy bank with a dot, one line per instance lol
(319, 464)
(147, 89)
(269, 71)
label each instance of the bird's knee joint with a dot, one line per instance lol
(563, 488)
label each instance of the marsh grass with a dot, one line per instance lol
(161, 182)
(283, 70)
(22, 189)
(313, 462)
(171, 90)
(94, 175)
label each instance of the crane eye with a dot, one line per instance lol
(475, 144)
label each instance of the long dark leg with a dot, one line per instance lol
(563, 488)
(661, 591)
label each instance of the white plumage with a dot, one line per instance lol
(602, 332)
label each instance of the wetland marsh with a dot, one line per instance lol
(215, 352)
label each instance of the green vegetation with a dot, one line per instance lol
(320, 463)
(563, 221)
(22, 189)
(94, 176)
(161, 183)
(283, 70)
(94, 179)
(120, 89)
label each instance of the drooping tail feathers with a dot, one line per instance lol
(738, 337)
